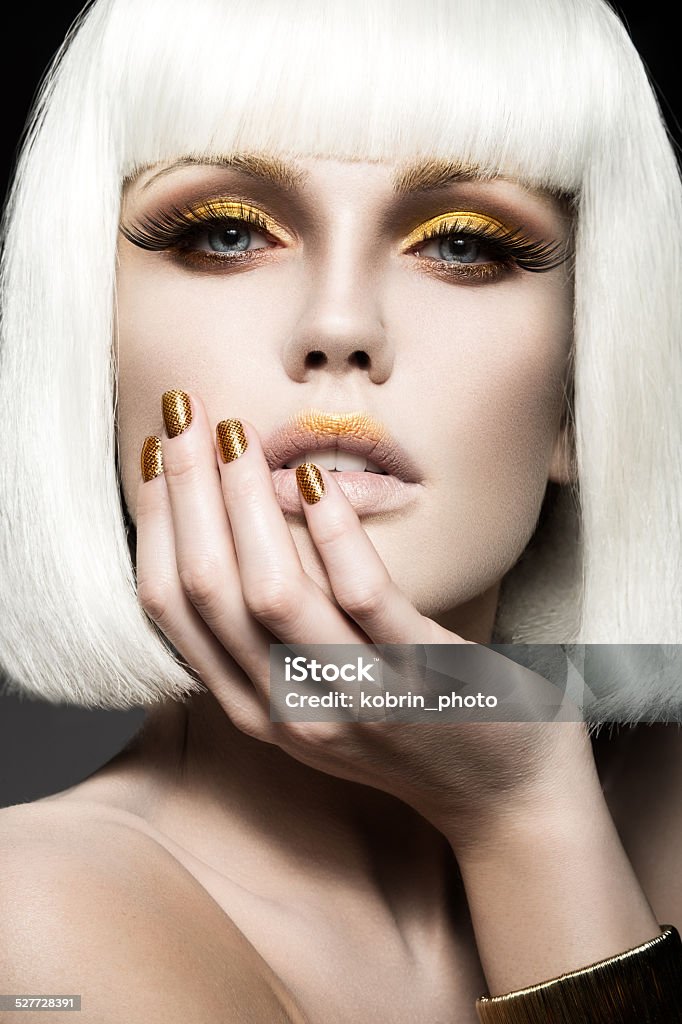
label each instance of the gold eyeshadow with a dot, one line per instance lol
(232, 209)
(172, 228)
(175, 230)
(461, 221)
(509, 245)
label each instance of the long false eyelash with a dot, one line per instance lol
(175, 226)
(510, 245)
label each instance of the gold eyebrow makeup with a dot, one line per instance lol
(263, 166)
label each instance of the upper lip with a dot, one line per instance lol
(352, 432)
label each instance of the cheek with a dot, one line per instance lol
(141, 366)
(499, 395)
(156, 337)
(506, 370)
(510, 429)
(513, 399)
(175, 331)
(195, 326)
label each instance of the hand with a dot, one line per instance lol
(218, 571)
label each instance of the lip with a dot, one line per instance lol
(368, 493)
(356, 432)
(352, 432)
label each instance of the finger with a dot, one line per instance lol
(163, 598)
(359, 579)
(206, 560)
(275, 586)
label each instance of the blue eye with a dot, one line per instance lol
(229, 236)
(228, 239)
(477, 246)
(464, 249)
(459, 249)
(209, 231)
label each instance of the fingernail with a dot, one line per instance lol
(231, 439)
(310, 482)
(177, 412)
(151, 458)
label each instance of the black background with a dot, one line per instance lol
(45, 748)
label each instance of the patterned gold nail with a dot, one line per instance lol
(231, 439)
(310, 482)
(151, 458)
(177, 412)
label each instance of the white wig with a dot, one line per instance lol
(549, 91)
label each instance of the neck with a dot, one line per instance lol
(213, 788)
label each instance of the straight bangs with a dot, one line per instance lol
(550, 92)
(489, 83)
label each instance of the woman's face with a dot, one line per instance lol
(335, 302)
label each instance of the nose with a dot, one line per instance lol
(340, 332)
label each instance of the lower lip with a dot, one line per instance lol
(368, 493)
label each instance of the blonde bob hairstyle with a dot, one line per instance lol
(551, 92)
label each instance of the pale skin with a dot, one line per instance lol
(388, 872)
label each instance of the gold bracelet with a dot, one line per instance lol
(641, 986)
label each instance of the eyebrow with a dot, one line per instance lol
(420, 176)
(254, 165)
(432, 174)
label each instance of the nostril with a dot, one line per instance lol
(316, 358)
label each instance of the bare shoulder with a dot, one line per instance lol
(92, 907)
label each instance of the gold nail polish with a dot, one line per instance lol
(231, 439)
(151, 458)
(310, 482)
(177, 412)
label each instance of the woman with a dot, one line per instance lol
(317, 242)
